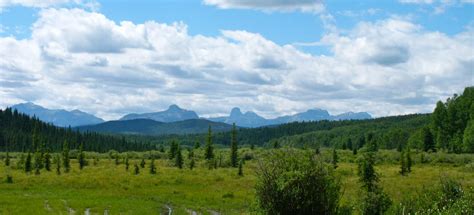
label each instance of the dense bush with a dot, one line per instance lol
(294, 182)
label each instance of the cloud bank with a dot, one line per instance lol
(81, 59)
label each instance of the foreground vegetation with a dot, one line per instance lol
(104, 185)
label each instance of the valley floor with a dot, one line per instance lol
(110, 189)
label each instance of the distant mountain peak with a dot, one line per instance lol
(173, 114)
(174, 107)
(235, 112)
(59, 117)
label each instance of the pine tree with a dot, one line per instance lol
(317, 150)
(209, 151)
(136, 169)
(409, 161)
(234, 147)
(126, 162)
(191, 163)
(179, 158)
(117, 161)
(28, 163)
(47, 161)
(152, 166)
(38, 162)
(403, 163)
(252, 146)
(161, 148)
(7, 159)
(173, 150)
(66, 161)
(58, 165)
(354, 151)
(334, 158)
(241, 163)
(82, 157)
(197, 144)
(142, 163)
(276, 145)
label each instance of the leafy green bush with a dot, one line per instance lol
(295, 182)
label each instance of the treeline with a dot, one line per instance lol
(21, 133)
(254, 136)
(450, 128)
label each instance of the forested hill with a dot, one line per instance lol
(263, 135)
(20, 132)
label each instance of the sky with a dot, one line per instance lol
(272, 57)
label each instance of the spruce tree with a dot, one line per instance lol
(209, 150)
(65, 159)
(126, 162)
(192, 163)
(47, 161)
(276, 145)
(136, 169)
(241, 173)
(152, 166)
(252, 146)
(38, 162)
(403, 163)
(233, 147)
(173, 150)
(7, 159)
(142, 163)
(28, 163)
(58, 164)
(179, 158)
(197, 144)
(117, 161)
(82, 157)
(334, 158)
(409, 161)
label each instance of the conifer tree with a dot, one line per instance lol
(403, 163)
(152, 166)
(317, 150)
(28, 163)
(161, 148)
(58, 165)
(38, 162)
(82, 157)
(209, 150)
(65, 159)
(234, 148)
(334, 158)
(179, 158)
(276, 145)
(7, 159)
(173, 150)
(354, 150)
(117, 161)
(197, 144)
(47, 161)
(409, 161)
(126, 162)
(142, 163)
(136, 169)
(252, 146)
(241, 173)
(192, 163)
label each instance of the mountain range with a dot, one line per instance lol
(173, 120)
(58, 117)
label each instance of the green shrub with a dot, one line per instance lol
(291, 182)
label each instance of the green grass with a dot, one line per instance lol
(110, 187)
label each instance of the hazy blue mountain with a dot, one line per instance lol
(251, 119)
(60, 117)
(152, 127)
(172, 114)
(352, 115)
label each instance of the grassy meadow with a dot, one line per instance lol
(107, 188)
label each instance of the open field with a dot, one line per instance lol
(110, 188)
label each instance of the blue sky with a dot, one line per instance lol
(317, 41)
